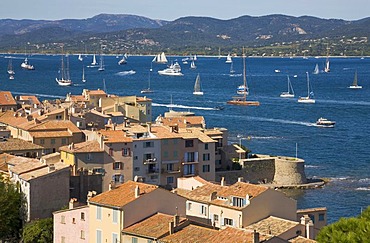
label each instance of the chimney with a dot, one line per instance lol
(176, 220)
(223, 183)
(255, 237)
(171, 228)
(90, 194)
(309, 230)
(137, 191)
(73, 203)
(240, 179)
(51, 168)
(101, 141)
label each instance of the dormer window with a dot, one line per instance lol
(238, 202)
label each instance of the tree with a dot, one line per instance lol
(40, 231)
(355, 229)
(12, 211)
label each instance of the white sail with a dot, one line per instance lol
(65, 79)
(309, 99)
(197, 86)
(228, 59)
(290, 92)
(316, 70)
(94, 60)
(192, 65)
(355, 83)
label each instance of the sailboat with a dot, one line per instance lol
(228, 59)
(316, 70)
(309, 99)
(123, 60)
(160, 58)
(327, 63)
(10, 68)
(148, 90)
(192, 65)
(65, 79)
(101, 67)
(80, 57)
(94, 63)
(197, 86)
(290, 92)
(242, 100)
(355, 84)
(232, 71)
(83, 74)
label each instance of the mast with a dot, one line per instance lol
(244, 78)
(355, 79)
(308, 86)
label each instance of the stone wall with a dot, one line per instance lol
(267, 169)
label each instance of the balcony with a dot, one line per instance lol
(150, 161)
(189, 162)
(152, 171)
(164, 171)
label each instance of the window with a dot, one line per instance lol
(73, 220)
(58, 117)
(135, 157)
(215, 218)
(114, 238)
(98, 212)
(83, 216)
(63, 239)
(165, 142)
(88, 156)
(110, 151)
(165, 154)
(137, 169)
(170, 180)
(134, 240)
(189, 170)
(125, 151)
(63, 219)
(115, 216)
(190, 157)
(98, 171)
(148, 144)
(175, 154)
(312, 217)
(203, 210)
(82, 234)
(117, 165)
(53, 141)
(228, 221)
(206, 157)
(206, 146)
(170, 167)
(42, 141)
(118, 178)
(189, 143)
(189, 205)
(206, 168)
(64, 141)
(98, 236)
(321, 217)
(238, 202)
(149, 241)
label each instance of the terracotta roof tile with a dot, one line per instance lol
(234, 235)
(183, 121)
(51, 134)
(115, 136)
(23, 165)
(14, 144)
(273, 225)
(3, 161)
(42, 171)
(300, 239)
(6, 98)
(84, 147)
(30, 99)
(191, 233)
(123, 194)
(12, 118)
(154, 227)
(96, 92)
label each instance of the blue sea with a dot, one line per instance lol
(277, 127)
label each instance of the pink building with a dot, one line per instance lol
(71, 225)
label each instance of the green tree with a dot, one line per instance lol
(12, 211)
(38, 231)
(355, 229)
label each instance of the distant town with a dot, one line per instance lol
(105, 170)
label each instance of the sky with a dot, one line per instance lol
(173, 9)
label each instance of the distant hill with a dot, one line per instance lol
(129, 33)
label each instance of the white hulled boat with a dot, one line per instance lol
(290, 92)
(64, 79)
(355, 83)
(197, 86)
(25, 65)
(308, 99)
(323, 122)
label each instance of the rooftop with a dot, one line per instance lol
(154, 227)
(15, 144)
(191, 233)
(273, 225)
(122, 195)
(84, 147)
(42, 171)
(6, 98)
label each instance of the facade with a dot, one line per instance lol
(46, 187)
(71, 225)
(127, 204)
(237, 205)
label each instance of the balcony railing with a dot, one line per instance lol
(165, 171)
(152, 171)
(150, 161)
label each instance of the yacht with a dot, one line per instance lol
(323, 122)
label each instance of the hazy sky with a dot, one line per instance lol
(173, 9)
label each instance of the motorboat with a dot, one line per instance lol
(323, 122)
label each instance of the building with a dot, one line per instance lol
(7, 101)
(114, 210)
(46, 187)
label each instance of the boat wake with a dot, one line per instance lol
(308, 124)
(185, 107)
(124, 73)
(40, 95)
